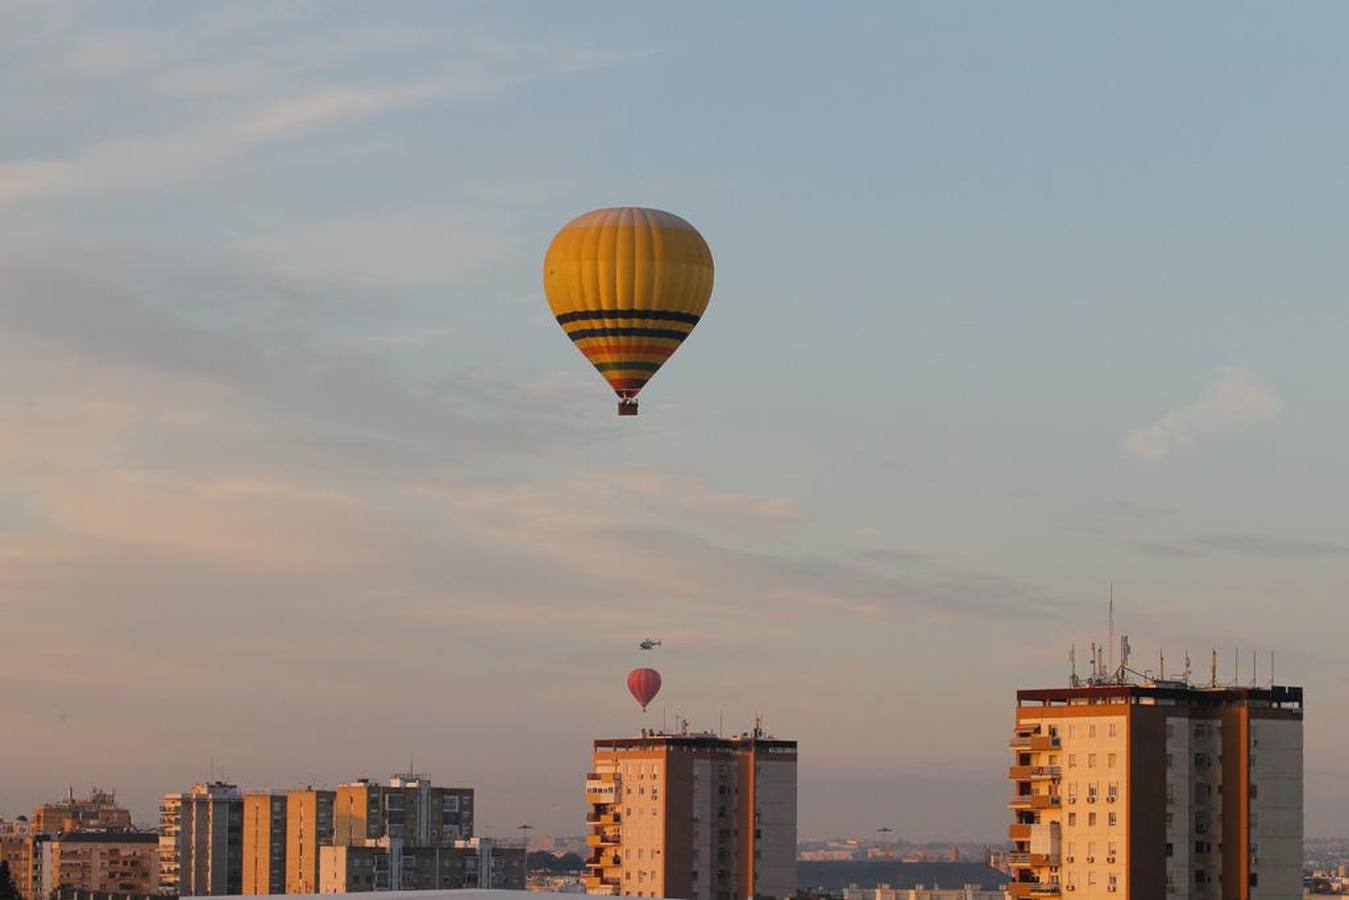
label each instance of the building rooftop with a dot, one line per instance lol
(1275, 696)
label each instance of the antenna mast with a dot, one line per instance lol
(1110, 643)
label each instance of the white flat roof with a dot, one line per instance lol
(466, 894)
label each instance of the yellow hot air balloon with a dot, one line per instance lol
(627, 285)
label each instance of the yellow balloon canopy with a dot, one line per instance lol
(627, 285)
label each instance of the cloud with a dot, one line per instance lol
(1271, 548)
(1248, 545)
(1234, 402)
(126, 163)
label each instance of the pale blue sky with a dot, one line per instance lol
(1012, 301)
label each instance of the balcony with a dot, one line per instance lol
(602, 840)
(1018, 889)
(1032, 860)
(1019, 773)
(1035, 801)
(1018, 832)
(1046, 772)
(605, 818)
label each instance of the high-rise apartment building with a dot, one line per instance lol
(309, 826)
(695, 816)
(98, 811)
(111, 862)
(201, 841)
(264, 836)
(1158, 790)
(407, 809)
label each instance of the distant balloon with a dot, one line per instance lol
(644, 684)
(627, 285)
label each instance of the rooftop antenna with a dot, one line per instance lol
(1255, 669)
(1161, 664)
(1072, 662)
(1236, 675)
(1110, 644)
(1124, 651)
(1187, 666)
(1213, 669)
(1271, 668)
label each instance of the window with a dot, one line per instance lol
(1169, 848)
(1091, 760)
(1112, 819)
(1072, 792)
(1091, 792)
(1110, 760)
(1072, 731)
(1113, 877)
(1091, 731)
(1170, 730)
(1168, 760)
(1072, 819)
(1091, 820)
(1072, 760)
(1112, 791)
(1112, 729)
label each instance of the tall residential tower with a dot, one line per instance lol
(1157, 790)
(695, 816)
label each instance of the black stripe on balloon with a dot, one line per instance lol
(627, 366)
(586, 315)
(583, 333)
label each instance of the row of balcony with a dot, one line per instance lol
(1018, 889)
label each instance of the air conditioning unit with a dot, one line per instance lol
(1091, 799)
(1110, 859)
(1071, 887)
(1072, 799)
(1110, 799)
(1111, 888)
(1070, 859)
(1091, 859)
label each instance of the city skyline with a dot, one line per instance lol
(298, 475)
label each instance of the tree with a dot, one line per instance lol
(8, 889)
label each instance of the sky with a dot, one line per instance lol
(299, 481)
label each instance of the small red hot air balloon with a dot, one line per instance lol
(644, 684)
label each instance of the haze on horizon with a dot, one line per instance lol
(298, 474)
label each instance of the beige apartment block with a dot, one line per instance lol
(264, 836)
(407, 808)
(470, 863)
(694, 816)
(1157, 791)
(309, 826)
(112, 862)
(97, 812)
(201, 841)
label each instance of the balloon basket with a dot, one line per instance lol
(627, 406)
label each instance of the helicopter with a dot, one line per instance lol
(649, 644)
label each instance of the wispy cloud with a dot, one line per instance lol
(1232, 403)
(121, 164)
(1247, 545)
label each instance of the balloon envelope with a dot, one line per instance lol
(627, 285)
(644, 684)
